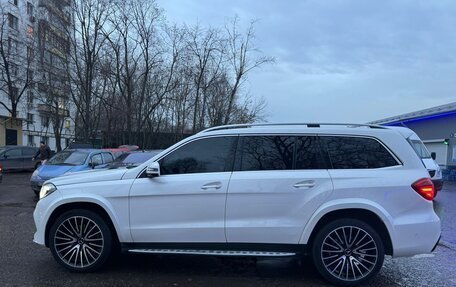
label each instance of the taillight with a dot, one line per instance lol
(1, 168)
(425, 188)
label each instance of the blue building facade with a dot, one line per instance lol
(437, 128)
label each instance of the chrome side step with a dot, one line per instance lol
(214, 252)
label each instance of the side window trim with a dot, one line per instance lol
(240, 146)
(94, 155)
(198, 139)
(395, 157)
(322, 150)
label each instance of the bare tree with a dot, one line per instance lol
(240, 50)
(87, 40)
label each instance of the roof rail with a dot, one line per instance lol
(309, 125)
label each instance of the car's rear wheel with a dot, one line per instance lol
(348, 252)
(80, 240)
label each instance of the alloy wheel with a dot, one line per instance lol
(349, 253)
(79, 241)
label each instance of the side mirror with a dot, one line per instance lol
(433, 155)
(153, 170)
(92, 164)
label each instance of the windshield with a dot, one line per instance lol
(69, 158)
(420, 149)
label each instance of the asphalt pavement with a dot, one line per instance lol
(23, 263)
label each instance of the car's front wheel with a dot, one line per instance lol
(80, 240)
(348, 252)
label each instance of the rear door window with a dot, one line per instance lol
(29, 151)
(107, 157)
(13, 153)
(357, 153)
(309, 154)
(267, 153)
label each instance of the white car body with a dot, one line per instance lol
(255, 207)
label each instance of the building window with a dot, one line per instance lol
(30, 74)
(30, 98)
(30, 53)
(45, 121)
(16, 2)
(67, 142)
(29, 31)
(15, 92)
(30, 9)
(67, 124)
(13, 21)
(13, 69)
(30, 118)
(31, 140)
(12, 45)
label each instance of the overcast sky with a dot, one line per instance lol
(344, 61)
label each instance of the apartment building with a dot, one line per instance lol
(35, 37)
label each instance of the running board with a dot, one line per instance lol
(213, 252)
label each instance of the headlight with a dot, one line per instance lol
(35, 173)
(47, 189)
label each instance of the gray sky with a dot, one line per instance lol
(345, 61)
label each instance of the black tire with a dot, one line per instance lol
(347, 263)
(85, 251)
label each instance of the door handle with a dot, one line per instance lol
(305, 184)
(212, 185)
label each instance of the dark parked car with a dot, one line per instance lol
(18, 158)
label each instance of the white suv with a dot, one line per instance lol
(346, 194)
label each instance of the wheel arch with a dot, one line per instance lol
(91, 206)
(359, 213)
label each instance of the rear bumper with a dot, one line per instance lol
(437, 243)
(438, 184)
(416, 236)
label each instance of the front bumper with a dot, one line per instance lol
(41, 214)
(36, 184)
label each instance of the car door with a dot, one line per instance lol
(12, 159)
(186, 203)
(278, 183)
(27, 154)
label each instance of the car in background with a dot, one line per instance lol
(69, 161)
(117, 151)
(132, 159)
(427, 158)
(130, 147)
(18, 158)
